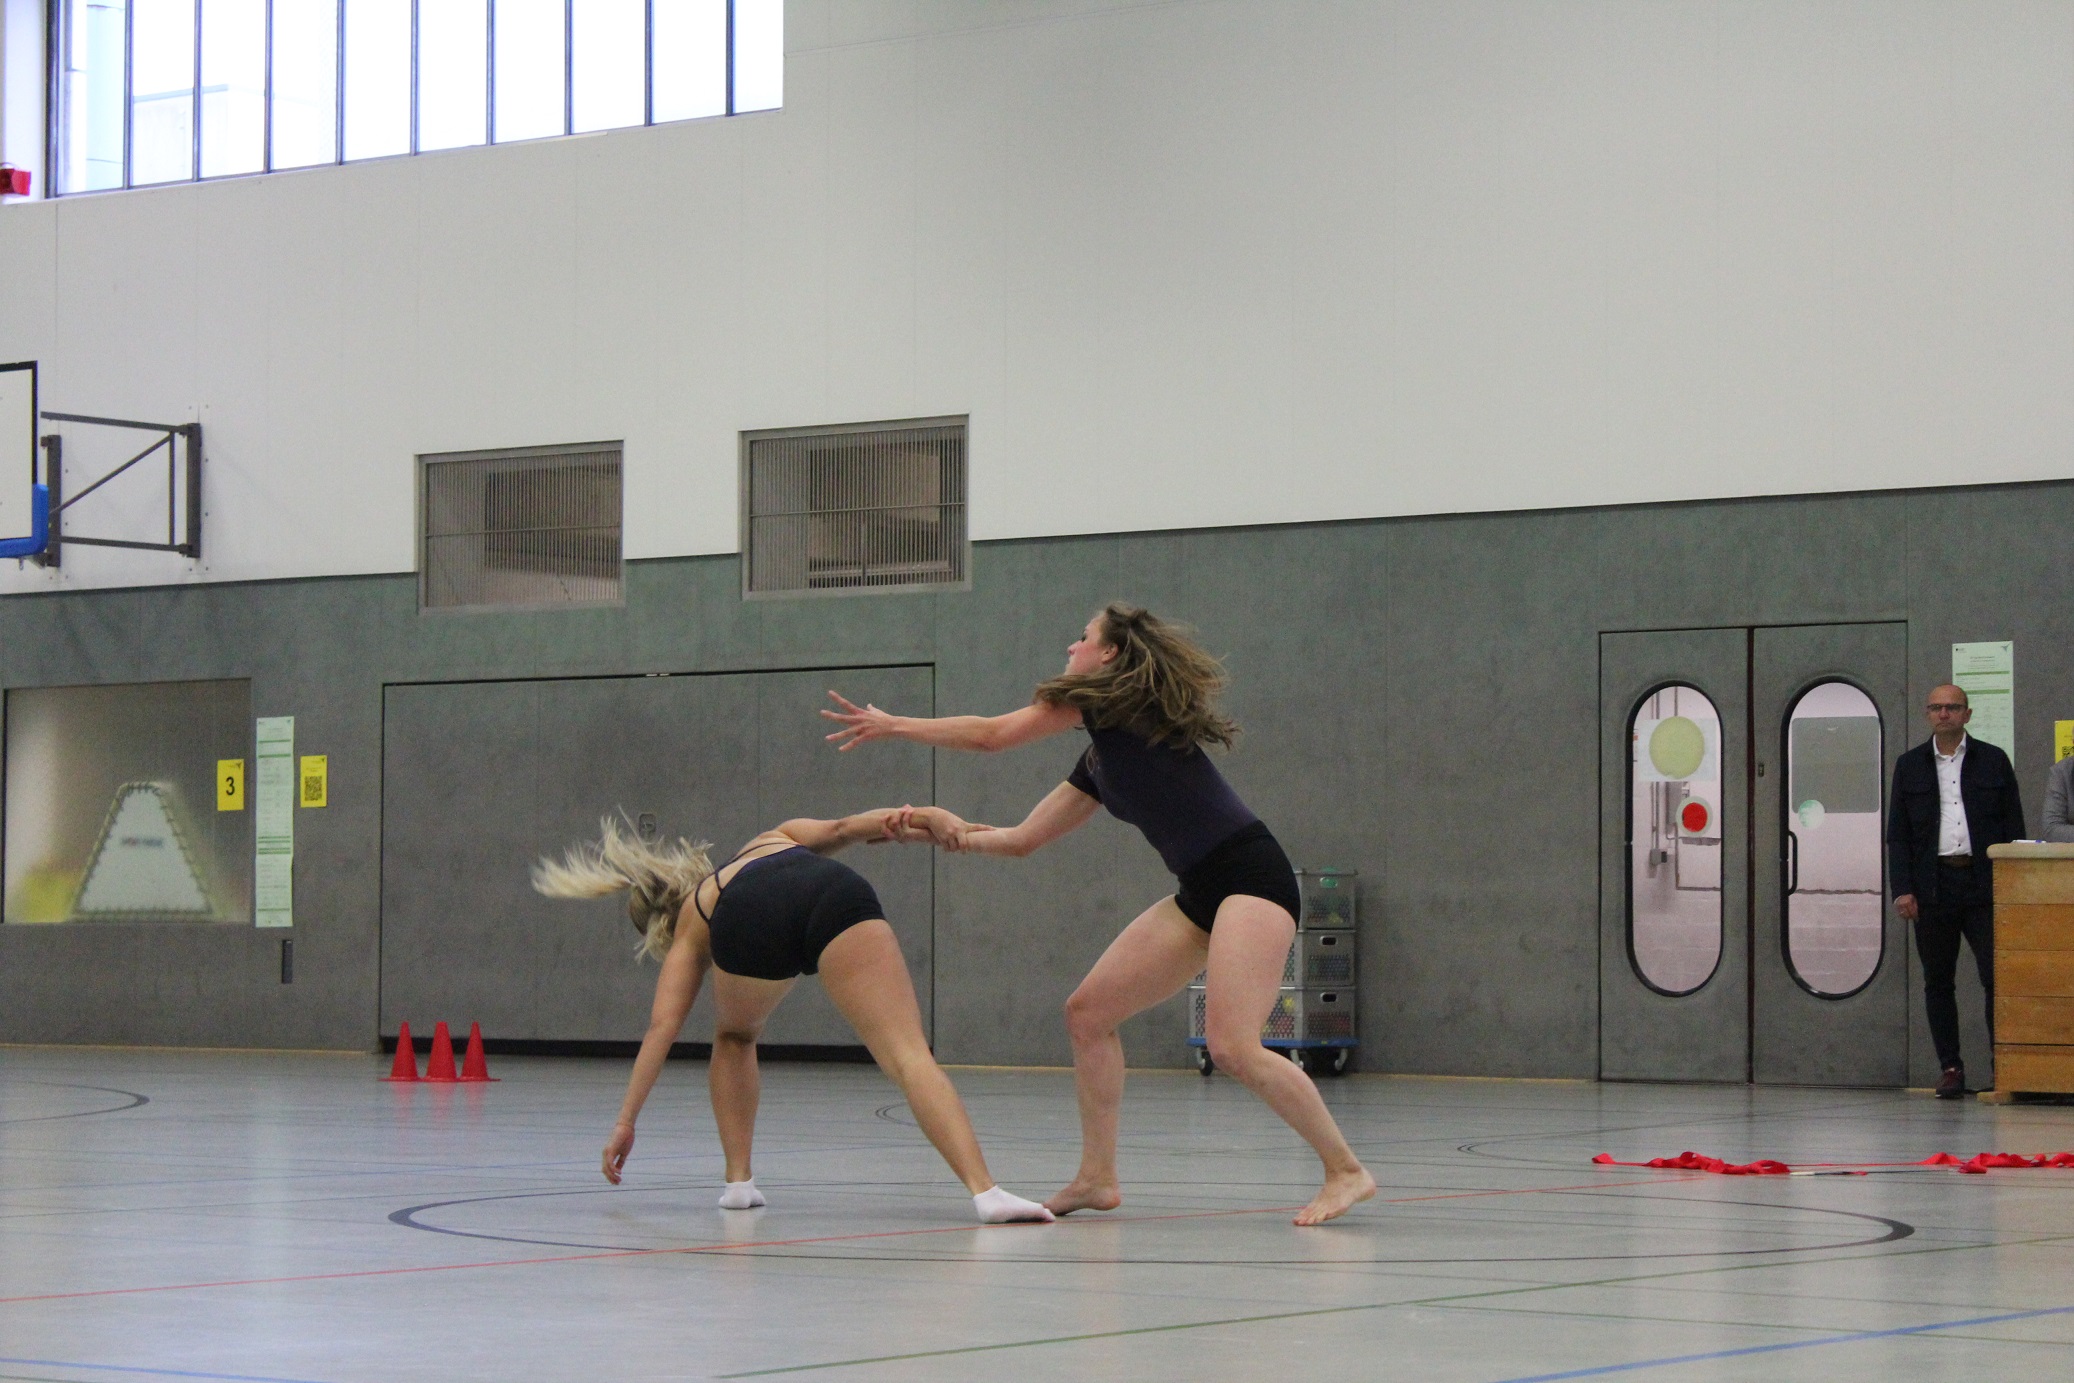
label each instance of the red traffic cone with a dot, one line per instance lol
(474, 1066)
(440, 1065)
(405, 1067)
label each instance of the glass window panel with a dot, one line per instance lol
(83, 761)
(161, 91)
(531, 79)
(377, 78)
(607, 77)
(92, 95)
(1835, 900)
(305, 82)
(233, 86)
(690, 59)
(759, 54)
(453, 72)
(1674, 786)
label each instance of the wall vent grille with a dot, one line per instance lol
(522, 529)
(874, 507)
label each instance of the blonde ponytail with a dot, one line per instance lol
(657, 879)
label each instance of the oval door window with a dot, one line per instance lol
(1835, 908)
(1674, 839)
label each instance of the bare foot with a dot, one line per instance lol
(1341, 1192)
(1097, 1195)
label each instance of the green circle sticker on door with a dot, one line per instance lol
(1677, 747)
(1811, 814)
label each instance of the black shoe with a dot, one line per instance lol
(1952, 1084)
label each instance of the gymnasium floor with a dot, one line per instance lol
(176, 1215)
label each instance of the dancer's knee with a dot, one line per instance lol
(1235, 1052)
(1085, 1021)
(734, 1038)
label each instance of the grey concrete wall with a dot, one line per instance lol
(1420, 699)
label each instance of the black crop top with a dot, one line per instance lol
(1175, 796)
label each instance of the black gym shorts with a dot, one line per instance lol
(779, 913)
(1248, 861)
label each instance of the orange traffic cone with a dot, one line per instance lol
(405, 1067)
(440, 1065)
(474, 1066)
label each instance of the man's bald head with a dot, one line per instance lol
(1949, 712)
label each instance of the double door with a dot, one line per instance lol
(479, 779)
(1745, 933)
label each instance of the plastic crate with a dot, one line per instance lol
(1320, 960)
(1328, 898)
(1300, 1016)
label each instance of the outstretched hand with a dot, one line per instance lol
(945, 829)
(861, 724)
(894, 826)
(616, 1149)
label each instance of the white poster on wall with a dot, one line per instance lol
(1985, 672)
(273, 801)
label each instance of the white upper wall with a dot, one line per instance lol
(1195, 263)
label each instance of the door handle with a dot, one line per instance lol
(1792, 863)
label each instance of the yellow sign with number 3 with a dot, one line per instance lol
(230, 785)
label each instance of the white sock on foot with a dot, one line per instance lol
(741, 1195)
(999, 1207)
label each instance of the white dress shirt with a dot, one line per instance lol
(1952, 836)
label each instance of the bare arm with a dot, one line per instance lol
(676, 986)
(827, 837)
(986, 734)
(1064, 809)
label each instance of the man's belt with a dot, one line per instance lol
(1956, 861)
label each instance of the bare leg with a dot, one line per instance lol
(1150, 960)
(865, 974)
(1247, 953)
(732, 1079)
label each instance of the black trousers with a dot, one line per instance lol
(1962, 911)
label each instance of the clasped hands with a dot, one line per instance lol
(916, 825)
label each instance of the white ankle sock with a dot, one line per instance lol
(999, 1207)
(741, 1195)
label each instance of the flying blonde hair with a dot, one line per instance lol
(1162, 683)
(657, 879)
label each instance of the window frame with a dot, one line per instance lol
(1789, 864)
(1635, 966)
(427, 462)
(745, 500)
(57, 108)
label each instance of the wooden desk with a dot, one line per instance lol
(2034, 970)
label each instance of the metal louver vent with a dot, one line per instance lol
(526, 528)
(867, 508)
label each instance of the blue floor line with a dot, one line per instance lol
(156, 1373)
(1604, 1369)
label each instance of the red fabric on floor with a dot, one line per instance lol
(1976, 1165)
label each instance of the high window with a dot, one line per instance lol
(158, 91)
(519, 529)
(835, 510)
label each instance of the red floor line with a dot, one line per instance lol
(768, 1244)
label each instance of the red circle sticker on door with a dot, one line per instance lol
(1694, 817)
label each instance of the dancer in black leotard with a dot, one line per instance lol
(778, 910)
(1145, 693)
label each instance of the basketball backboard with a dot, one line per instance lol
(17, 449)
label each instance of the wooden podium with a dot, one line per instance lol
(2034, 970)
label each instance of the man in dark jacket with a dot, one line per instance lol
(1954, 796)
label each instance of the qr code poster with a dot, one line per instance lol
(314, 776)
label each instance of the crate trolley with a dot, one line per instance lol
(1314, 1018)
